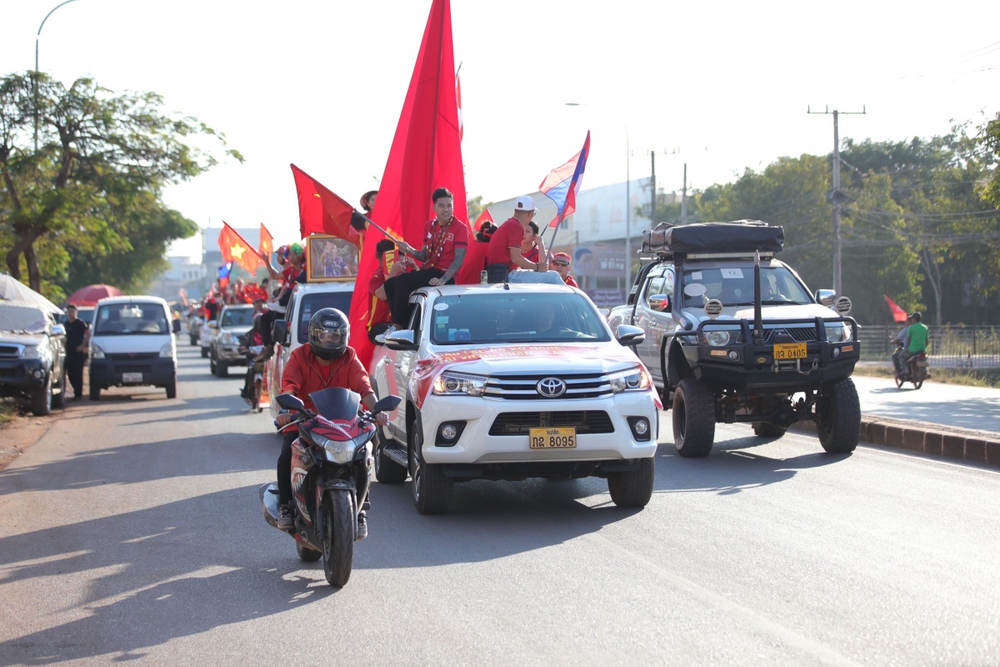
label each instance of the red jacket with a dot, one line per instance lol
(304, 374)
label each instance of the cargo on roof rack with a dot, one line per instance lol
(740, 237)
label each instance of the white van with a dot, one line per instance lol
(132, 345)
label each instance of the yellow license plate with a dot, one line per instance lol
(552, 438)
(784, 351)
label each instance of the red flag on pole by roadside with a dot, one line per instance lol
(898, 314)
(426, 153)
(266, 245)
(321, 211)
(235, 249)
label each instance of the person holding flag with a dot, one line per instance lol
(504, 260)
(446, 240)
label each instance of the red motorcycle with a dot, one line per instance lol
(915, 371)
(331, 475)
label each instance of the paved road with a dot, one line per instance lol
(132, 532)
(948, 404)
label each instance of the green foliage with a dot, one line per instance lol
(990, 141)
(85, 204)
(475, 207)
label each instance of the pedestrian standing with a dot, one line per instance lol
(77, 339)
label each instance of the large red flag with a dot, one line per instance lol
(235, 249)
(426, 153)
(321, 211)
(898, 314)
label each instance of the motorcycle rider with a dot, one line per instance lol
(900, 342)
(916, 340)
(327, 361)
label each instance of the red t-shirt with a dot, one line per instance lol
(440, 243)
(569, 281)
(509, 235)
(303, 374)
(531, 255)
(379, 308)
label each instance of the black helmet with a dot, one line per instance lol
(328, 333)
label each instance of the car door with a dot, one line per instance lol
(404, 362)
(652, 314)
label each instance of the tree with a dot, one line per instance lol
(92, 187)
(990, 141)
(475, 207)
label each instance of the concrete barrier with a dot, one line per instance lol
(950, 442)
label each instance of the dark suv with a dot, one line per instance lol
(32, 357)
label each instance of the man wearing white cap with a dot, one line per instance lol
(504, 252)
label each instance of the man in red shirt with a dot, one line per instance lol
(446, 240)
(504, 251)
(563, 264)
(389, 266)
(325, 362)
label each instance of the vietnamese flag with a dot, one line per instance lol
(898, 314)
(266, 245)
(426, 154)
(321, 211)
(235, 249)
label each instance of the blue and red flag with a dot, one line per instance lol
(562, 183)
(224, 271)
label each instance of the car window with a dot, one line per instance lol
(512, 317)
(22, 319)
(126, 319)
(734, 286)
(237, 317)
(313, 302)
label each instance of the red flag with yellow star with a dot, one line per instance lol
(266, 246)
(235, 249)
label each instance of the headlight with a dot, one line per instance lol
(717, 338)
(340, 451)
(459, 384)
(227, 339)
(167, 350)
(96, 352)
(634, 379)
(31, 352)
(838, 332)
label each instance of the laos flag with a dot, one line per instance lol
(562, 183)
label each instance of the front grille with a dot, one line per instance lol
(797, 334)
(585, 422)
(12, 372)
(133, 368)
(524, 387)
(10, 351)
(119, 356)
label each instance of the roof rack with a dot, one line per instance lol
(721, 240)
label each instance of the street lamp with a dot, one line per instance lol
(35, 75)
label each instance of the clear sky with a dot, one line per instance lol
(722, 86)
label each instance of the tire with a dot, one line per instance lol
(95, 391)
(694, 418)
(172, 389)
(255, 403)
(307, 554)
(387, 471)
(899, 382)
(221, 369)
(633, 489)
(212, 368)
(194, 341)
(838, 417)
(41, 400)
(204, 352)
(767, 430)
(431, 488)
(338, 538)
(59, 400)
(917, 384)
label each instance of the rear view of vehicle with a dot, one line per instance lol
(132, 345)
(224, 348)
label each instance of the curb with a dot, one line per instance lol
(981, 447)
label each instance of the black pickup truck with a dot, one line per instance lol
(734, 335)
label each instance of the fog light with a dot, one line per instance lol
(448, 432)
(640, 428)
(734, 355)
(38, 373)
(836, 351)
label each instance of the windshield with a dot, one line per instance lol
(25, 319)
(313, 302)
(733, 286)
(126, 319)
(509, 317)
(237, 317)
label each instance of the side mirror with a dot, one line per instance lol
(58, 330)
(213, 325)
(630, 335)
(827, 297)
(279, 330)
(386, 404)
(660, 302)
(401, 340)
(290, 402)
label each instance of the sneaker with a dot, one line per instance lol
(362, 525)
(285, 518)
(380, 339)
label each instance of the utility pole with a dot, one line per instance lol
(836, 197)
(684, 197)
(652, 189)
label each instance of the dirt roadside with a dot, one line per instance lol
(22, 432)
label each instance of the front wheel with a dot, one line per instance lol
(255, 404)
(204, 352)
(431, 487)
(338, 538)
(41, 400)
(899, 382)
(838, 417)
(694, 418)
(172, 389)
(634, 488)
(221, 369)
(59, 400)
(95, 391)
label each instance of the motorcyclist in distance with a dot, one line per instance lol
(327, 361)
